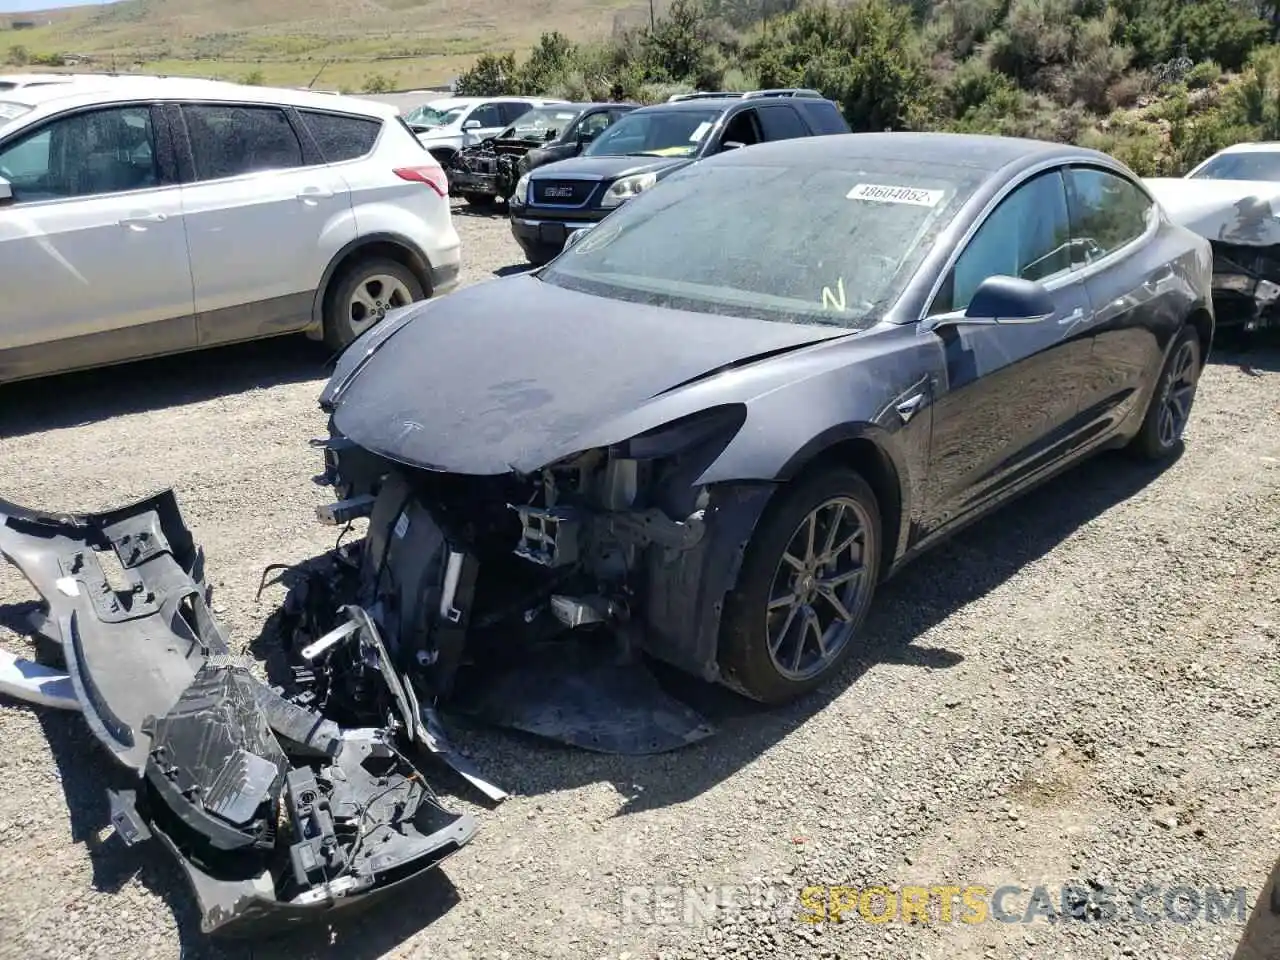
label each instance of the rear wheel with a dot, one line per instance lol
(806, 584)
(362, 296)
(1170, 408)
(481, 201)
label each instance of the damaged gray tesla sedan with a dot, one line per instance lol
(702, 435)
(720, 419)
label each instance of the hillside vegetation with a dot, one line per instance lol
(1158, 83)
(368, 45)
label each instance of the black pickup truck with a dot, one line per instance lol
(488, 171)
(651, 143)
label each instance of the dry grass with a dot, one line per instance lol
(408, 43)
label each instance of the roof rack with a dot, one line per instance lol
(725, 94)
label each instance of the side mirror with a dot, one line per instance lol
(6, 191)
(1009, 300)
(471, 125)
(1002, 301)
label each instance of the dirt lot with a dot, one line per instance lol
(1082, 689)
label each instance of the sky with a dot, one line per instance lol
(23, 6)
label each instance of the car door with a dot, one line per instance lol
(264, 219)
(91, 241)
(589, 127)
(1012, 391)
(1132, 285)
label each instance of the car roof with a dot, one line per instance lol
(974, 151)
(1264, 146)
(89, 89)
(709, 103)
(39, 79)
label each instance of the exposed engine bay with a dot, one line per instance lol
(489, 168)
(1246, 285)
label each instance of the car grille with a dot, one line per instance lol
(562, 192)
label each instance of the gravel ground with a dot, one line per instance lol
(1082, 689)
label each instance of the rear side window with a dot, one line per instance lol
(1107, 212)
(781, 123)
(229, 140)
(341, 137)
(823, 116)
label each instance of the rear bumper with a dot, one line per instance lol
(444, 268)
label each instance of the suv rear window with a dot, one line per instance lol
(340, 136)
(823, 116)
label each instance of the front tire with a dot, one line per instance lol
(806, 584)
(1160, 435)
(363, 294)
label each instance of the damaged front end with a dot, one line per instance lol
(530, 599)
(489, 169)
(1238, 219)
(278, 809)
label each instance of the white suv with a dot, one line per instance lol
(446, 126)
(142, 216)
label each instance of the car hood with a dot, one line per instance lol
(610, 168)
(1232, 211)
(514, 374)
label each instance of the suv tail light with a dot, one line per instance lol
(433, 176)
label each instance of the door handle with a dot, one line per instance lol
(1075, 316)
(140, 221)
(908, 407)
(312, 194)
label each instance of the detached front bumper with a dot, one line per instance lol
(463, 183)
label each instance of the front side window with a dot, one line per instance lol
(1028, 235)
(86, 154)
(1107, 212)
(594, 125)
(229, 140)
(662, 133)
(487, 115)
(743, 128)
(838, 246)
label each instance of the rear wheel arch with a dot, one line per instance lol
(373, 247)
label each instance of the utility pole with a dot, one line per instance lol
(653, 22)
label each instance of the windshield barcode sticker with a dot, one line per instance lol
(886, 194)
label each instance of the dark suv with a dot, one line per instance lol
(649, 144)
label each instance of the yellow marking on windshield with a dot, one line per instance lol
(831, 300)
(669, 151)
